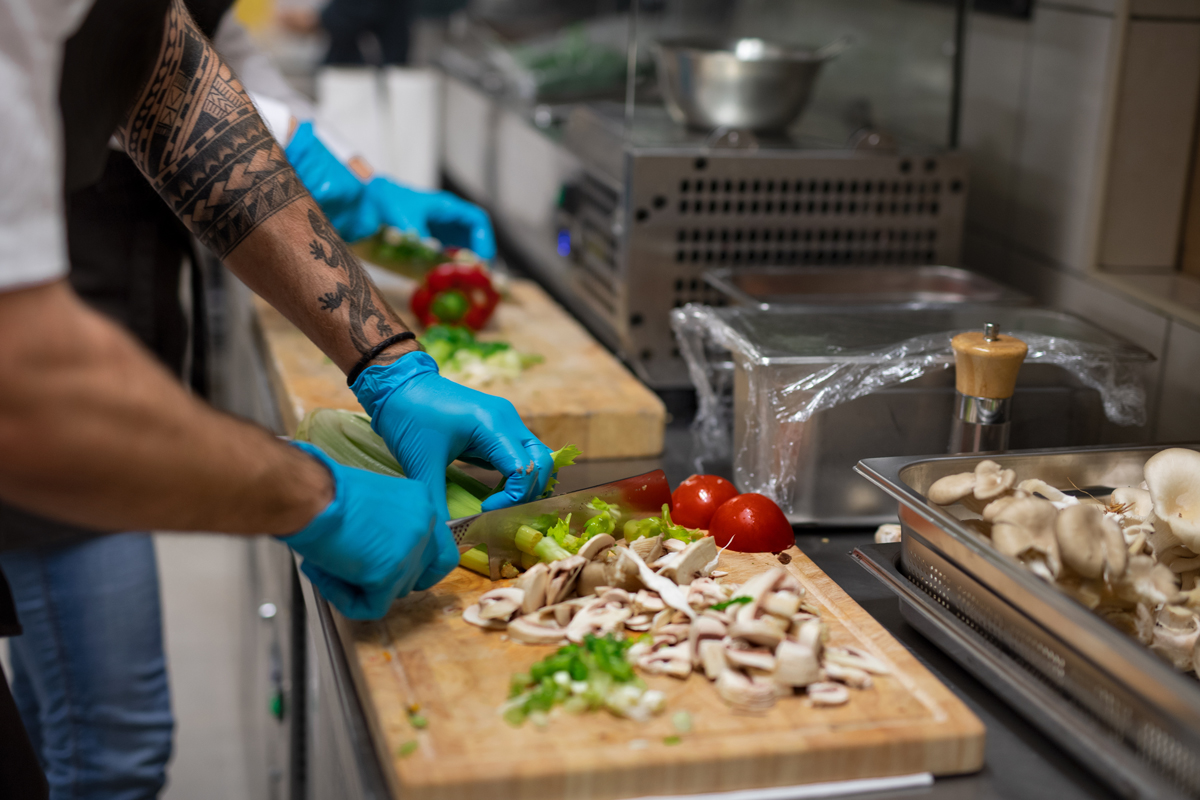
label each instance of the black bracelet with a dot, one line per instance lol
(374, 352)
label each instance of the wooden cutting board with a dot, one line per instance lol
(580, 394)
(422, 653)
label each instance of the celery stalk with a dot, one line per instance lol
(476, 560)
(528, 538)
(549, 550)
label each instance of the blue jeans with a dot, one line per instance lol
(89, 674)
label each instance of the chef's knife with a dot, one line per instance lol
(638, 497)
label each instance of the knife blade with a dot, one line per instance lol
(639, 497)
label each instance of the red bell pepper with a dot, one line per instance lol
(434, 301)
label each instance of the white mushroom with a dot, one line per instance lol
(563, 575)
(828, 694)
(501, 604)
(645, 602)
(761, 660)
(594, 575)
(856, 657)
(887, 534)
(595, 546)
(648, 547)
(766, 631)
(702, 629)
(638, 624)
(712, 657)
(952, 488)
(674, 661)
(536, 628)
(596, 619)
(991, 480)
(798, 662)
(667, 589)
(739, 691)
(851, 676)
(674, 545)
(471, 614)
(781, 604)
(691, 561)
(533, 582)
(1174, 479)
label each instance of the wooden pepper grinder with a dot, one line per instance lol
(987, 364)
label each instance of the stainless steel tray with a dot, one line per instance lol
(1126, 691)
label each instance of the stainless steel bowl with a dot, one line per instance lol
(744, 83)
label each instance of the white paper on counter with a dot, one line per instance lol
(829, 789)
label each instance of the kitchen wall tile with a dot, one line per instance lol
(994, 76)
(1057, 154)
(1152, 145)
(1179, 408)
(1173, 9)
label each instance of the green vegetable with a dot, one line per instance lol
(682, 721)
(407, 749)
(642, 528)
(456, 349)
(450, 305)
(660, 526)
(603, 522)
(672, 740)
(737, 601)
(563, 457)
(476, 560)
(580, 678)
(527, 538)
(418, 721)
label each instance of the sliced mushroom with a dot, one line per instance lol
(851, 676)
(690, 562)
(952, 488)
(764, 631)
(501, 604)
(1174, 479)
(739, 691)
(705, 592)
(595, 546)
(649, 548)
(798, 663)
(597, 619)
(703, 628)
(991, 480)
(536, 629)
(667, 589)
(712, 658)
(471, 614)
(638, 624)
(781, 604)
(674, 661)
(594, 575)
(533, 582)
(645, 602)
(674, 545)
(1175, 636)
(856, 657)
(761, 660)
(828, 694)
(563, 575)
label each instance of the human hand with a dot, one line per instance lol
(428, 421)
(376, 541)
(443, 215)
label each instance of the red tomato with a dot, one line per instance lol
(695, 500)
(751, 523)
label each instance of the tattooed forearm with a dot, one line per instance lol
(195, 134)
(353, 287)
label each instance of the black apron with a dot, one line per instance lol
(126, 250)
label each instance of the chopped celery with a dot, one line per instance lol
(563, 457)
(603, 522)
(642, 528)
(476, 560)
(549, 550)
(527, 538)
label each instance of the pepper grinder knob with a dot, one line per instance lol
(987, 363)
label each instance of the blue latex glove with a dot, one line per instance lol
(428, 421)
(377, 541)
(358, 210)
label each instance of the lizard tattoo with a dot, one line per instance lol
(357, 293)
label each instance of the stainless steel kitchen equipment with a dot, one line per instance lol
(619, 209)
(1103, 696)
(795, 396)
(985, 366)
(744, 83)
(925, 286)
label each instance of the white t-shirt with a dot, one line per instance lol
(33, 245)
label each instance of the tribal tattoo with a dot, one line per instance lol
(198, 138)
(357, 292)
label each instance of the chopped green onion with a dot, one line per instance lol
(672, 740)
(737, 601)
(407, 749)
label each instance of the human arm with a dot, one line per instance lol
(212, 159)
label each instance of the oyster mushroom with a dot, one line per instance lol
(828, 694)
(1026, 526)
(501, 604)
(533, 582)
(1133, 502)
(736, 688)
(1048, 492)
(952, 488)
(1145, 581)
(595, 546)
(649, 548)
(991, 480)
(471, 615)
(1175, 636)
(994, 508)
(1081, 540)
(563, 575)
(1173, 476)
(691, 561)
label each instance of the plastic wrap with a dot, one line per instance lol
(790, 368)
